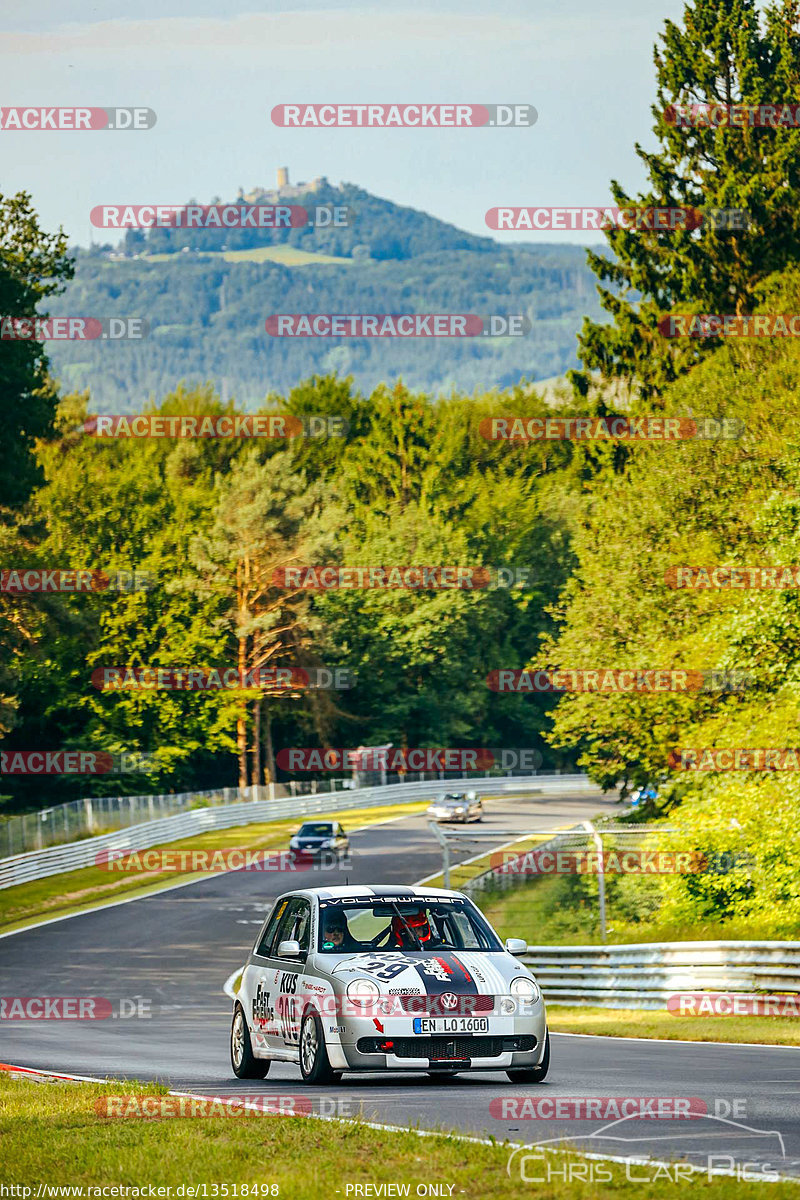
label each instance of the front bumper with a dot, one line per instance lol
(510, 1042)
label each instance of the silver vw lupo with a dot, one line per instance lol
(386, 979)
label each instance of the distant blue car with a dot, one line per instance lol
(642, 794)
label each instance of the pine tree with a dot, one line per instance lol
(724, 54)
(33, 265)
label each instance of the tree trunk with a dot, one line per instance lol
(241, 720)
(255, 775)
(269, 751)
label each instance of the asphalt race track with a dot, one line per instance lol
(176, 949)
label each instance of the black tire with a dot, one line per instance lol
(245, 1064)
(315, 1066)
(533, 1074)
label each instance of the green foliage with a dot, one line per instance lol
(33, 266)
(412, 482)
(724, 54)
(693, 503)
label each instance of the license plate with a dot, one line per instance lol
(451, 1024)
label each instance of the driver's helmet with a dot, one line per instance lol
(416, 921)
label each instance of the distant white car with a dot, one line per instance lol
(456, 806)
(386, 979)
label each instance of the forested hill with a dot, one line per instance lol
(206, 295)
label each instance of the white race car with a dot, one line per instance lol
(386, 979)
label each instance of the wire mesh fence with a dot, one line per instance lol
(78, 819)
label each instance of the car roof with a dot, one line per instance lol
(362, 891)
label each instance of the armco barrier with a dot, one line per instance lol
(71, 856)
(644, 975)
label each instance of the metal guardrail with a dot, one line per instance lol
(38, 864)
(76, 819)
(645, 975)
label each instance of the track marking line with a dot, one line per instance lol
(619, 1037)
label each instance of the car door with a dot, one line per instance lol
(256, 989)
(284, 976)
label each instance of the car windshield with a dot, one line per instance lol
(315, 829)
(452, 800)
(424, 925)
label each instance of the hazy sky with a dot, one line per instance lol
(213, 70)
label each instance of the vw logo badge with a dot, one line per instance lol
(448, 1000)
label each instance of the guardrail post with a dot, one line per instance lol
(601, 876)
(442, 840)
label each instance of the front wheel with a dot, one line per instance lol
(533, 1074)
(315, 1066)
(245, 1064)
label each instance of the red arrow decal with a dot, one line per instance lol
(377, 1024)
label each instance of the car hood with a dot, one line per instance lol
(398, 972)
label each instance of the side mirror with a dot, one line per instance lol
(289, 949)
(515, 946)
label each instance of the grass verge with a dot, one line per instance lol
(52, 1135)
(76, 890)
(630, 1022)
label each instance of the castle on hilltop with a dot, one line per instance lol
(283, 191)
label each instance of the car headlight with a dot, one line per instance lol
(525, 987)
(363, 992)
(508, 1006)
(293, 843)
(331, 842)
